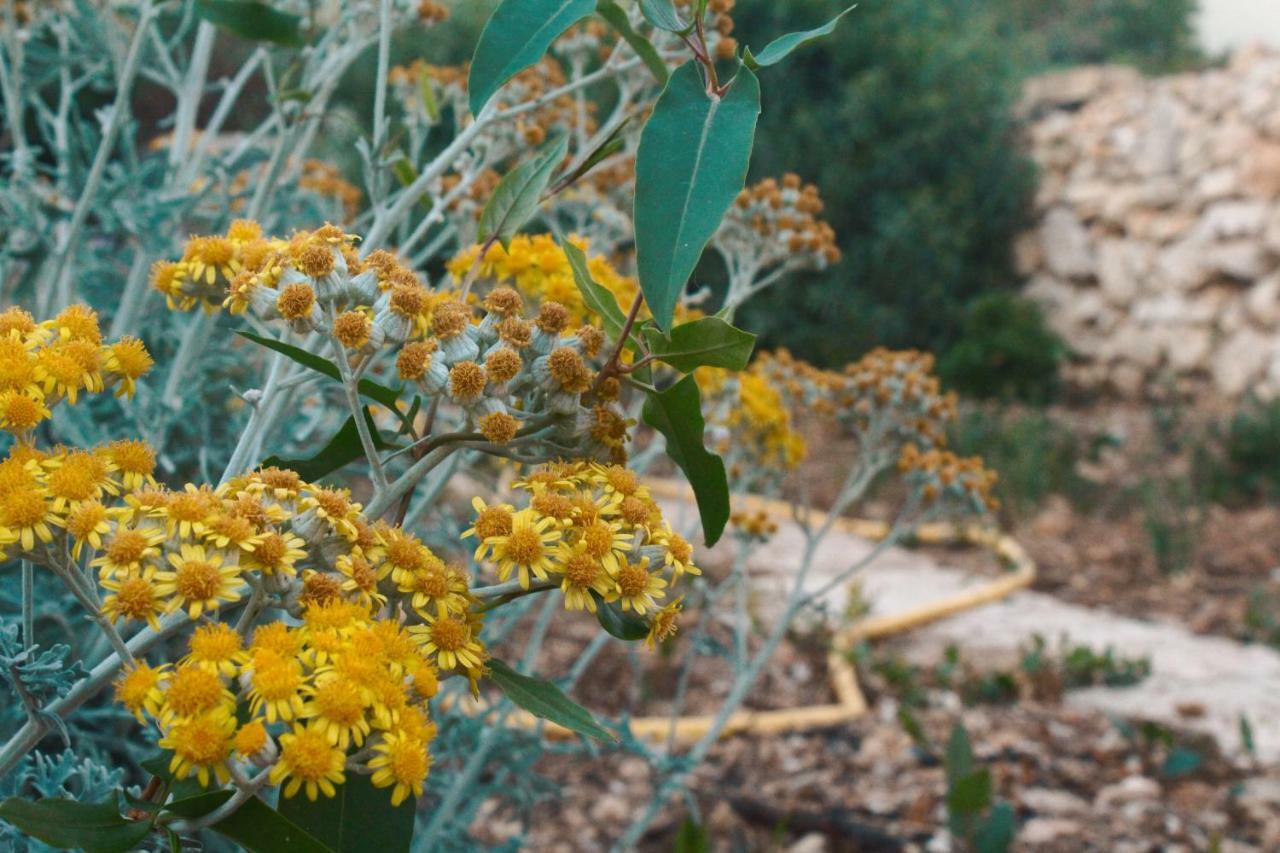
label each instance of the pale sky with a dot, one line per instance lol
(1226, 24)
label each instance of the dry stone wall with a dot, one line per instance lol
(1156, 250)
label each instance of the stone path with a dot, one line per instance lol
(1219, 678)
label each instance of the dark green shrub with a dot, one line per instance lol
(1005, 351)
(1243, 463)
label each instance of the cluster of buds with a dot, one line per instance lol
(595, 532)
(303, 700)
(775, 225)
(446, 86)
(942, 477)
(60, 360)
(325, 180)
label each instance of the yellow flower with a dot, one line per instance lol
(308, 761)
(134, 462)
(276, 553)
(584, 574)
(527, 548)
(77, 476)
(130, 552)
(132, 597)
(22, 409)
(490, 521)
(275, 686)
(200, 744)
(337, 709)
(194, 691)
(87, 523)
(139, 688)
(451, 640)
(66, 367)
(26, 516)
(251, 739)
(199, 581)
(664, 623)
(638, 589)
(127, 359)
(218, 648)
(401, 761)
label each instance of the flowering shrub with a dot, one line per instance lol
(303, 548)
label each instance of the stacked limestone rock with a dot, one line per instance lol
(1156, 253)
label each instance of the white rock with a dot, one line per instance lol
(1231, 219)
(1241, 360)
(1263, 301)
(1244, 260)
(1048, 801)
(1131, 789)
(1067, 249)
(1045, 830)
(1122, 264)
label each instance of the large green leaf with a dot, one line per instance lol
(691, 165)
(516, 198)
(546, 701)
(996, 833)
(368, 388)
(624, 626)
(677, 414)
(598, 298)
(778, 49)
(663, 15)
(258, 828)
(344, 448)
(70, 825)
(253, 20)
(617, 18)
(359, 818)
(516, 36)
(705, 342)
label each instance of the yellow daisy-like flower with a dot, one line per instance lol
(337, 710)
(21, 410)
(276, 553)
(360, 578)
(251, 739)
(132, 597)
(403, 762)
(27, 516)
(275, 686)
(490, 521)
(639, 589)
(140, 688)
(450, 640)
(583, 575)
(87, 524)
(527, 549)
(187, 511)
(67, 367)
(308, 761)
(679, 554)
(201, 745)
(134, 461)
(194, 691)
(665, 623)
(78, 476)
(199, 581)
(218, 648)
(606, 542)
(130, 551)
(127, 360)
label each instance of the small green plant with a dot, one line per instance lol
(977, 821)
(1242, 461)
(1005, 351)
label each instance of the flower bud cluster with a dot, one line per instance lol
(775, 224)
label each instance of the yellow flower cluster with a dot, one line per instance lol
(536, 266)
(755, 415)
(596, 533)
(298, 699)
(44, 364)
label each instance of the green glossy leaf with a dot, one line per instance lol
(374, 391)
(691, 165)
(677, 414)
(258, 828)
(624, 626)
(70, 825)
(663, 15)
(516, 198)
(344, 448)
(252, 20)
(199, 805)
(516, 36)
(996, 833)
(617, 18)
(546, 701)
(705, 342)
(358, 819)
(598, 298)
(778, 49)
